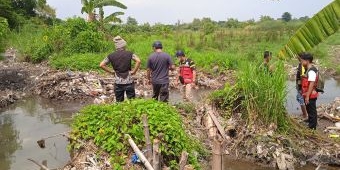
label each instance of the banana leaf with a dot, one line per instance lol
(314, 31)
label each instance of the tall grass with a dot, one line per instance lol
(265, 94)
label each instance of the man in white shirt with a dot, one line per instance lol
(308, 83)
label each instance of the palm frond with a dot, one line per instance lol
(114, 17)
(314, 31)
(102, 3)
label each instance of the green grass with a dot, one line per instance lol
(81, 62)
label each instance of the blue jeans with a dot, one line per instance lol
(299, 98)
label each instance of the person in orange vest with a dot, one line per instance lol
(308, 86)
(187, 74)
(300, 72)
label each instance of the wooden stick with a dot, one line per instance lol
(183, 160)
(333, 128)
(139, 153)
(156, 155)
(148, 153)
(40, 165)
(217, 155)
(218, 125)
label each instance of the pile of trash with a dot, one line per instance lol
(68, 85)
(12, 85)
(331, 112)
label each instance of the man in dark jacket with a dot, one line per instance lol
(121, 64)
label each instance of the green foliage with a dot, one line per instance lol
(264, 94)
(80, 62)
(322, 25)
(258, 94)
(107, 125)
(3, 32)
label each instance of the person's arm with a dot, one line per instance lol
(103, 65)
(193, 68)
(172, 67)
(137, 65)
(194, 76)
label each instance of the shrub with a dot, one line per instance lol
(107, 125)
(80, 62)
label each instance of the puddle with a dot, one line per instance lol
(332, 90)
(22, 124)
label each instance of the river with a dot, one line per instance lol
(29, 120)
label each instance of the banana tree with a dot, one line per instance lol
(90, 6)
(315, 30)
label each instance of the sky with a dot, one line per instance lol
(171, 11)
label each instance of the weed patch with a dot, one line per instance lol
(107, 124)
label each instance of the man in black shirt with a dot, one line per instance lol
(121, 63)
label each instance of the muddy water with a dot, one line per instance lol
(24, 123)
(332, 90)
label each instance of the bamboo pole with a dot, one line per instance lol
(148, 153)
(139, 153)
(156, 155)
(210, 126)
(183, 160)
(217, 155)
(40, 165)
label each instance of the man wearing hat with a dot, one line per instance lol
(308, 86)
(159, 64)
(187, 74)
(121, 64)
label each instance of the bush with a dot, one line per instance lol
(107, 125)
(80, 62)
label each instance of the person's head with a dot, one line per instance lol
(267, 56)
(180, 55)
(120, 43)
(157, 45)
(306, 59)
(300, 55)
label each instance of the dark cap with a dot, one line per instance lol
(267, 54)
(180, 53)
(307, 56)
(157, 45)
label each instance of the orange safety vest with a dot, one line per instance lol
(305, 85)
(186, 73)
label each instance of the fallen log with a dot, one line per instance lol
(139, 153)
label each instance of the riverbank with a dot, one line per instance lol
(258, 144)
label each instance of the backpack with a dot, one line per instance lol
(320, 84)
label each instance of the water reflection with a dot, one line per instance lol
(9, 141)
(22, 124)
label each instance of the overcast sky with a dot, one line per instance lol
(170, 11)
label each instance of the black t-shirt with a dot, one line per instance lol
(121, 62)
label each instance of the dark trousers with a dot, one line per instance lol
(161, 92)
(312, 114)
(120, 89)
